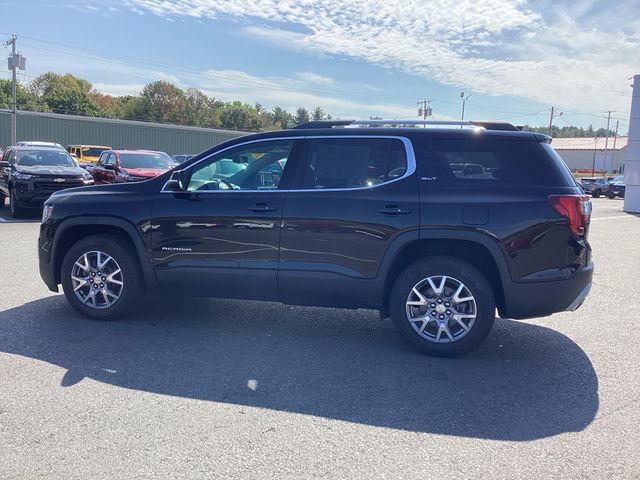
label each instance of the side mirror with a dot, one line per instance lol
(4, 164)
(109, 167)
(179, 181)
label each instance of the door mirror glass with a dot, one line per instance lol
(4, 164)
(109, 166)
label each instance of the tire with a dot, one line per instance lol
(131, 291)
(596, 194)
(16, 210)
(2, 199)
(610, 196)
(458, 341)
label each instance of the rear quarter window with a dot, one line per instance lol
(478, 161)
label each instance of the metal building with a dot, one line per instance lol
(77, 130)
(584, 154)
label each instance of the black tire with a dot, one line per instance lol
(2, 199)
(463, 272)
(596, 194)
(133, 288)
(15, 210)
(610, 196)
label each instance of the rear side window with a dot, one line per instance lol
(469, 161)
(337, 163)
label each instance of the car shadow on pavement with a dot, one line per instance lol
(525, 382)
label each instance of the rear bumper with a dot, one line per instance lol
(539, 299)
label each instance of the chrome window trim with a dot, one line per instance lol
(408, 147)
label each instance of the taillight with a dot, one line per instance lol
(575, 208)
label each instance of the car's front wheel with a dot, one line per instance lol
(596, 194)
(16, 210)
(101, 277)
(442, 306)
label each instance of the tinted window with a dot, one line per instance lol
(468, 161)
(136, 160)
(92, 151)
(353, 163)
(31, 158)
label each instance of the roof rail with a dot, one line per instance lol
(405, 123)
(323, 124)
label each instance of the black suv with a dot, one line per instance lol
(376, 215)
(30, 174)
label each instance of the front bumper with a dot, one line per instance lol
(539, 299)
(45, 261)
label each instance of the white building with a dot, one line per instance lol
(579, 153)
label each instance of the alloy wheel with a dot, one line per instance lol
(441, 309)
(97, 280)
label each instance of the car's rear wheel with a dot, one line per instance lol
(101, 277)
(442, 306)
(596, 194)
(2, 199)
(16, 210)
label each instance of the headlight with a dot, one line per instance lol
(46, 212)
(86, 178)
(22, 176)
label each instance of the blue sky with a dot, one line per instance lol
(353, 58)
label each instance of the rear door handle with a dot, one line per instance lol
(262, 207)
(394, 210)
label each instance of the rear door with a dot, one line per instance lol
(221, 237)
(351, 198)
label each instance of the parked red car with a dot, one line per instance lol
(116, 166)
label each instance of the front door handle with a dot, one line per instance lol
(262, 207)
(394, 210)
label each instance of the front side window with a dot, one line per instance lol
(257, 166)
(111, 159)
(339, 163)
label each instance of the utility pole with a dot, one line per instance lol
(464, 101)
(424, 109)
(551, 121)
(606, 140)
(15, 62)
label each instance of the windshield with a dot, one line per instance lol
(49, 158)
(93, 151)
(142, 160)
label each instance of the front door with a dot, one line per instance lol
(220, 238)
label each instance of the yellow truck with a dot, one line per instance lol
(87, 154)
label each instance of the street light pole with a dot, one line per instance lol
(595, 149)
(464, 101)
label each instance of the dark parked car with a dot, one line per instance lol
(372, 217)
(118, 166)
(594, 186)
(29, 175)
(182, 158)
(616, 187)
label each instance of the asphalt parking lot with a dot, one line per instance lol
(232, 389)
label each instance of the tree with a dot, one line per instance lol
(163, 102)
(318, 114)
(25, 99)
(302, 116)
(239, 116)
(66, 94)
(282, 118)
(201, 110)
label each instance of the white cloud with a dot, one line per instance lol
(118, 89)
(574, 54)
